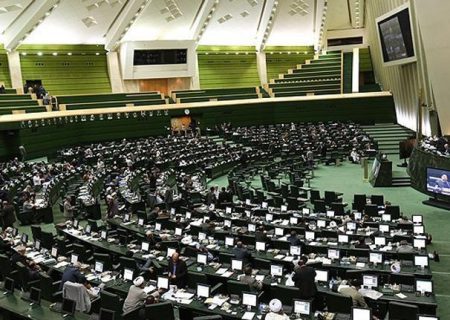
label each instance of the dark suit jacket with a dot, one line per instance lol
(241, 254)
(304, 280)
(181, 273)
(72, 274)
(294, 241)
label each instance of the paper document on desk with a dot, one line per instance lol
(248, 316)
(401, 295)
(279, 256)
(217, 300)
(332, 243)
(372, 294)
(61, 264)
(183, 295)
(106, 278)
(288, 258)
(227, 274)
(38, 259)
(259, 277)
(185, 301)
(221, 270)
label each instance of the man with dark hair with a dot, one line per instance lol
(240, 252)
(177, 271)
(293, 239)
(304, 279)
(248, 279)
(352, 290)
(210, 197)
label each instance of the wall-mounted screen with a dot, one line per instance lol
(155, 57)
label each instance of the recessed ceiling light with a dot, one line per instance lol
(39, 53)
(55, 53)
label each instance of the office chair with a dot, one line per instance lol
(212, 317)
(402, 311)
(314, 195)
(5, 267)
(377, 199)
(319, 206)
(261, 264)
(339, 303)
(83, 253)
(132, 314)
(36, 232)
(285, 294)
(237, 287)
(394, 211)
(111, 301)
(371, 210)
(158, 311)
(194, 278)
(24, 278)
(49, 287)
(47, 240)
(105, 259)
(126, 262)
(338, 208)
(330, 197)
(225, 257)
(359, 202)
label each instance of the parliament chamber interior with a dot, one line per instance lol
(224, 159)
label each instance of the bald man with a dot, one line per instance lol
(177, 271)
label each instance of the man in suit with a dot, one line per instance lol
(240, 252)
(261, 235)
(177, 271)
(223, 196)
(293, 239)
(351, 290)
(211, 197)
(304, 278)
(248, 279)
(73, 274)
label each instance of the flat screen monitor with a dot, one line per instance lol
(421, 261)
(306, 210)
(386, 217)
(104, 234)
(310, 235)
(248, 202)
(283, 208)
(351, 226)
(418, 229)
(8, 285)
(424, 286)
(295, 250)
(202, 259)
(128, 274)
(76, 223)
(358, 215)
(375, 257)
(343, 238)
(54, 252)
(293, 220)
(24, 238)
(227, 223)
(37, 245)
(276, 270)
(172, 211)
(145, 246)
(425, 317)
(383, 227)
(35, 295)
(269, 217)
(158, 226)
(87, 229)
(251, 227)
(249, 299)
(417, 219)
(380, 241)
(126, 217)
(330, 213)
(203, 290)
(98, 267)
(361, 313)
(333, 254)
(73, 258)
(188, 215)
(106, 314)
(140, 222)
(438, 181)
(302, 307)
(236, 264)
(229, 241)
(201, 236)
(228, 210)
(321, 223)
(321, 276)
(370, 281)
(419, 243)
(260, 246)
(171, 251)
(68, 306)
(264, 205)
(279, 232)
(162, 283)
(178, 231)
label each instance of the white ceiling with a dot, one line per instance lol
(234, 22)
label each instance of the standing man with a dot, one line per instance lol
(304, 279)
(177, 271)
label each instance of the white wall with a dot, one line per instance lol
(403, 81)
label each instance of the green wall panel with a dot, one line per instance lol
(279, 58)
(5, 77)
(365, 61)
(227, 67)
(348, 72)
(76, 69)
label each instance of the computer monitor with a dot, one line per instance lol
(202, 258)
(424, 285)
(293, 220)
(321, 223)
(370, 281)
(140, 222)
(76, 223)
(375, 257)
(188, 214)
(201, 236)
(106, 314)
(126, 217)
(334, 254)
(419, 243)
(386, 217)
(104, 234)
(145, 246)
(251, 227)
(260, 246)
(170, 252)
(68, 306)
(295, 250)
(229, 241)
(24, 238)
(321, 276)
(248, 202)
(172, 211)
(383, 227)
(264, 205)
(227, 223)
(162, 283)
(302, 307)
(380, 241)
(310, 235)
(279, 232)
(249, 299)
(87, 228)
(158, 226)
(236, 264)
(421, 261)
(212, 206)
(73, 258)
(54, 252)
(37, 245)
(203, 290)
(35, 295)
(248, 213)
(417, 219)
(343, 238)
(128, 274)
(351, 226)
(178, 231)
(99, 266)
(276, 270)
(358, 215)
(269, 217)
(361, 313)
(228, 210)
(418, 229)
(283, 208)
(306, 210)
(9, 285)
(330, 213)
(425, 317)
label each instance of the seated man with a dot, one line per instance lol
(293, 239)
(248, 279)
(276, 311)
(33, 268)
(240, 252)
(404, 247)
(137, 296)
(72, 274)
(351, 290)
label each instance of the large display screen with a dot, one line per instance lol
(155, 57)
(438, 181)
(396, 36)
